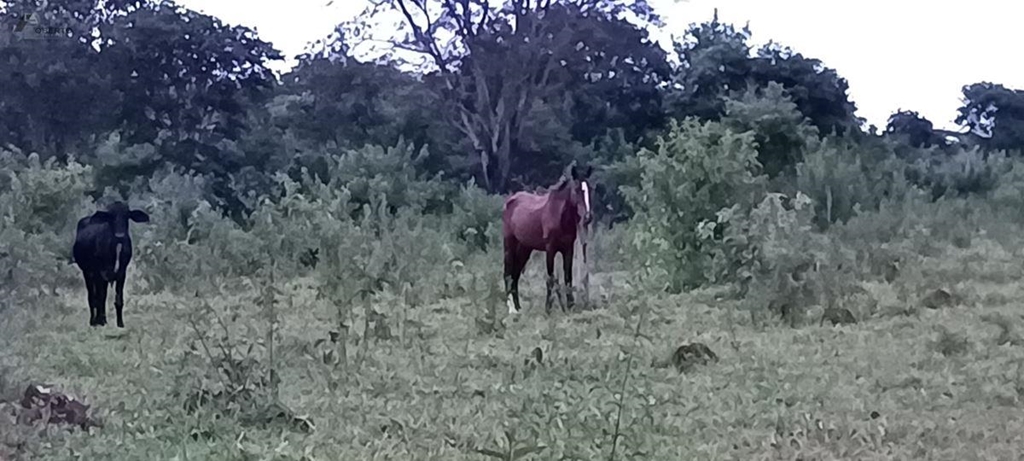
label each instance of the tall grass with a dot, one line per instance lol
(361, 314)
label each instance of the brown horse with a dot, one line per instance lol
(547, 223)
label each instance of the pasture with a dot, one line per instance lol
(441, 380)
(324, 242)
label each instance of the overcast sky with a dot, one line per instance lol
(911, 54)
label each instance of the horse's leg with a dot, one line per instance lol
(511, 276)
(550, 254)
(567, 263)
(522, 256)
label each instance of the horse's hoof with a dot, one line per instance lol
(511, 305)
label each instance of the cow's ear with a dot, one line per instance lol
(138, 216)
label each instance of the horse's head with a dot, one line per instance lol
(576, 179)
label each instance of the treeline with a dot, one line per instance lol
(139, 86)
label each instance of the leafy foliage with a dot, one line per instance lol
(717, 65)
(338, 101)
(698, 170)
(40, 204)
(843, 179)
(995, 114)
(915, 130)
(780, 130)
(501, 67)
(819, 93)
(324, 247)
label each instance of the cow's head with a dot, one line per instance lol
(117, 215)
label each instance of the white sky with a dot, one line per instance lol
(910, 54)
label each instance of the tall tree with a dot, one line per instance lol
(333, 99)
(497, 61)
(186, 83)
(714, 60)
(615, 81)
(819, 92)
(183, 72)
(55, 91)
(995, 114)
(716, 64)
(914, 129)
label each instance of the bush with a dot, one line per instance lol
(622, 169)
(697, 170)
(1007, 196)
(782, 134)
(965, 172)
(841, 179)
(369, 171)
(476, 217)
(41, 204)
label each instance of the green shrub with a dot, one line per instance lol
(393, 171)
(697, 170)
(842, 179)
(621, 168)
(970, 171)
(1007, 197)
(476, 217)
(781, 133)
(40, 205)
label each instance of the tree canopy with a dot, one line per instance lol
(503, 92)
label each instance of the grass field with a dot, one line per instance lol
(440, 382)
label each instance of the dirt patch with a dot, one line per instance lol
(42, 403)
(687, 356)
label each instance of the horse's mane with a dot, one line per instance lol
(562, 182)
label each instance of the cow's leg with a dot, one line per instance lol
(567, 265)
(119, 299)
(90, 289)
(550, 260)
(101, 300)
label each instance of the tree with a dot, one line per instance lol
(714, 60)
(55, 92)
(716, 64)
(995, 114)
(332, 99)
(615, 81)
(497, 62)
(914, 129)
(186, 83)
(142, 83)
(184, 72)
(819, 92)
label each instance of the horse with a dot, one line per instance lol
(545, 222)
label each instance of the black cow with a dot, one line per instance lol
(103, 249)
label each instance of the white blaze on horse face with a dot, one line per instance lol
(117, 258)
(511, 304)
(586, 194)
